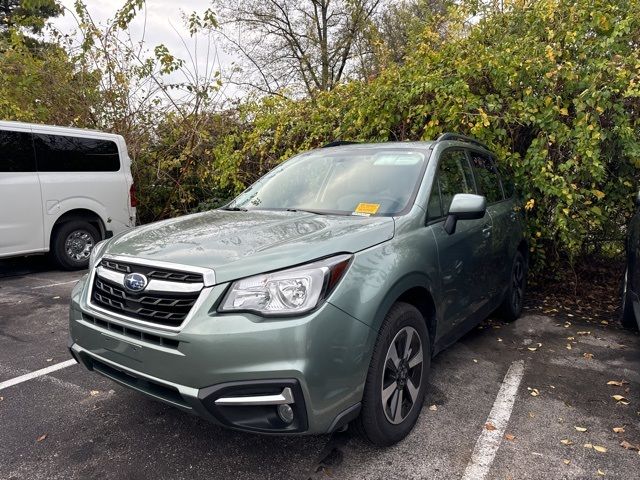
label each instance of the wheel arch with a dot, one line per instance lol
(80, 214)
(416, 290)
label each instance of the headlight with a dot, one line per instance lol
(96, 253)
(287, 292)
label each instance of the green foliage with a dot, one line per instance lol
(552, 87)
(28, 14)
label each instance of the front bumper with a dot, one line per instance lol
(322, 358)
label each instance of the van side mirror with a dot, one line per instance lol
(464, 206)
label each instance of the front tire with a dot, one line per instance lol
(511, 307)
(72, 244)
(396, 382)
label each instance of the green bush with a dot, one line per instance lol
(552, 87)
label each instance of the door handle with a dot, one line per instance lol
(513, 216)
(486, 230)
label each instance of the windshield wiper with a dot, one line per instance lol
(317, 212)
(234, 209)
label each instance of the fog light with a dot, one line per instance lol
(285, 412)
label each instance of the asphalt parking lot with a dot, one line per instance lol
(509, 401)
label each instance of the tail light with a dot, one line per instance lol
(133, 198)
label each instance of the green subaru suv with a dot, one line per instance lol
(316, 298)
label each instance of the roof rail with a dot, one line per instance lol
(460, 138)
(337, 143)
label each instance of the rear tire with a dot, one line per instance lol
(396, 381)
(72, 244)
(627, 315)
(511, 307)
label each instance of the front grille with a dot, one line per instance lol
(132, 332)
(152, 272)
(166, 309)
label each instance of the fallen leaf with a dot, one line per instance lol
(433, 408)
(604, 322)
(620, 399)
(56, 297)
(588, 445)
(566, 462)
(490, 426)
(533, 349)
(93, 393)
(580, 429)
(629, 446)
(618, 429)
(49, 359)
(1, 399)
(533, 391)
(600, 449)
(509, 437)
(617, 383)
(41, 437)
(566, 441)
(588, 356)
(568, 346)
(584, 333)
(570, 338)
(601, 473)
(475, 361)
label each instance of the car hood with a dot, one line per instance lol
(239, 244)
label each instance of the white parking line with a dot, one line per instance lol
(36, 374)
(489, 440)
(54, 284)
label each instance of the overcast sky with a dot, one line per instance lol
(164, 25)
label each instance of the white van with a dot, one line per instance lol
(62, 190)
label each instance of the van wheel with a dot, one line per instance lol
(72, 244)
(396, 382)
(511, 306)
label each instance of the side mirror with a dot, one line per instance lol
(464, 206)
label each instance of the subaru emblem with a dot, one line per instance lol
(135, 282)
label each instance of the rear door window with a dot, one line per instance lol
(487, 177)
(16, 152)
(61, 153)
(454, 176)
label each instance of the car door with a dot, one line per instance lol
(21, 228)
(462, 256)
(502, 218)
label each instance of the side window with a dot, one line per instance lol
(59, 153)
(487, 177)
(454, 176)
(508, 183)
(16, 152)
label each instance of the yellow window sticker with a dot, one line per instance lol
(367, 208)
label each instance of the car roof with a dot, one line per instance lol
(54, 129)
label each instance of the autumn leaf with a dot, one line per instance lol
(588, 356)
(566, 441)
(620, 399)
(509, 437)
(600, 449)
(618, 429)
(629, 446)
(617, 383)
(580, 429)
(601, 473)
(433, 408)
(533, 391)
(566, 462)
(490, 426)
(41, 437)
(93, 393)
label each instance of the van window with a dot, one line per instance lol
(59, 153)
(16, 152)
(487, 177)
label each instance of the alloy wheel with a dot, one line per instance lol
(402, 375)
(517, 285)
(78, 245)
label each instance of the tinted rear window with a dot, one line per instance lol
(59, 153)
(16, 152)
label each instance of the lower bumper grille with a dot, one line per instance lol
(165, 309)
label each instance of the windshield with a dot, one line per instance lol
(343, 181)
